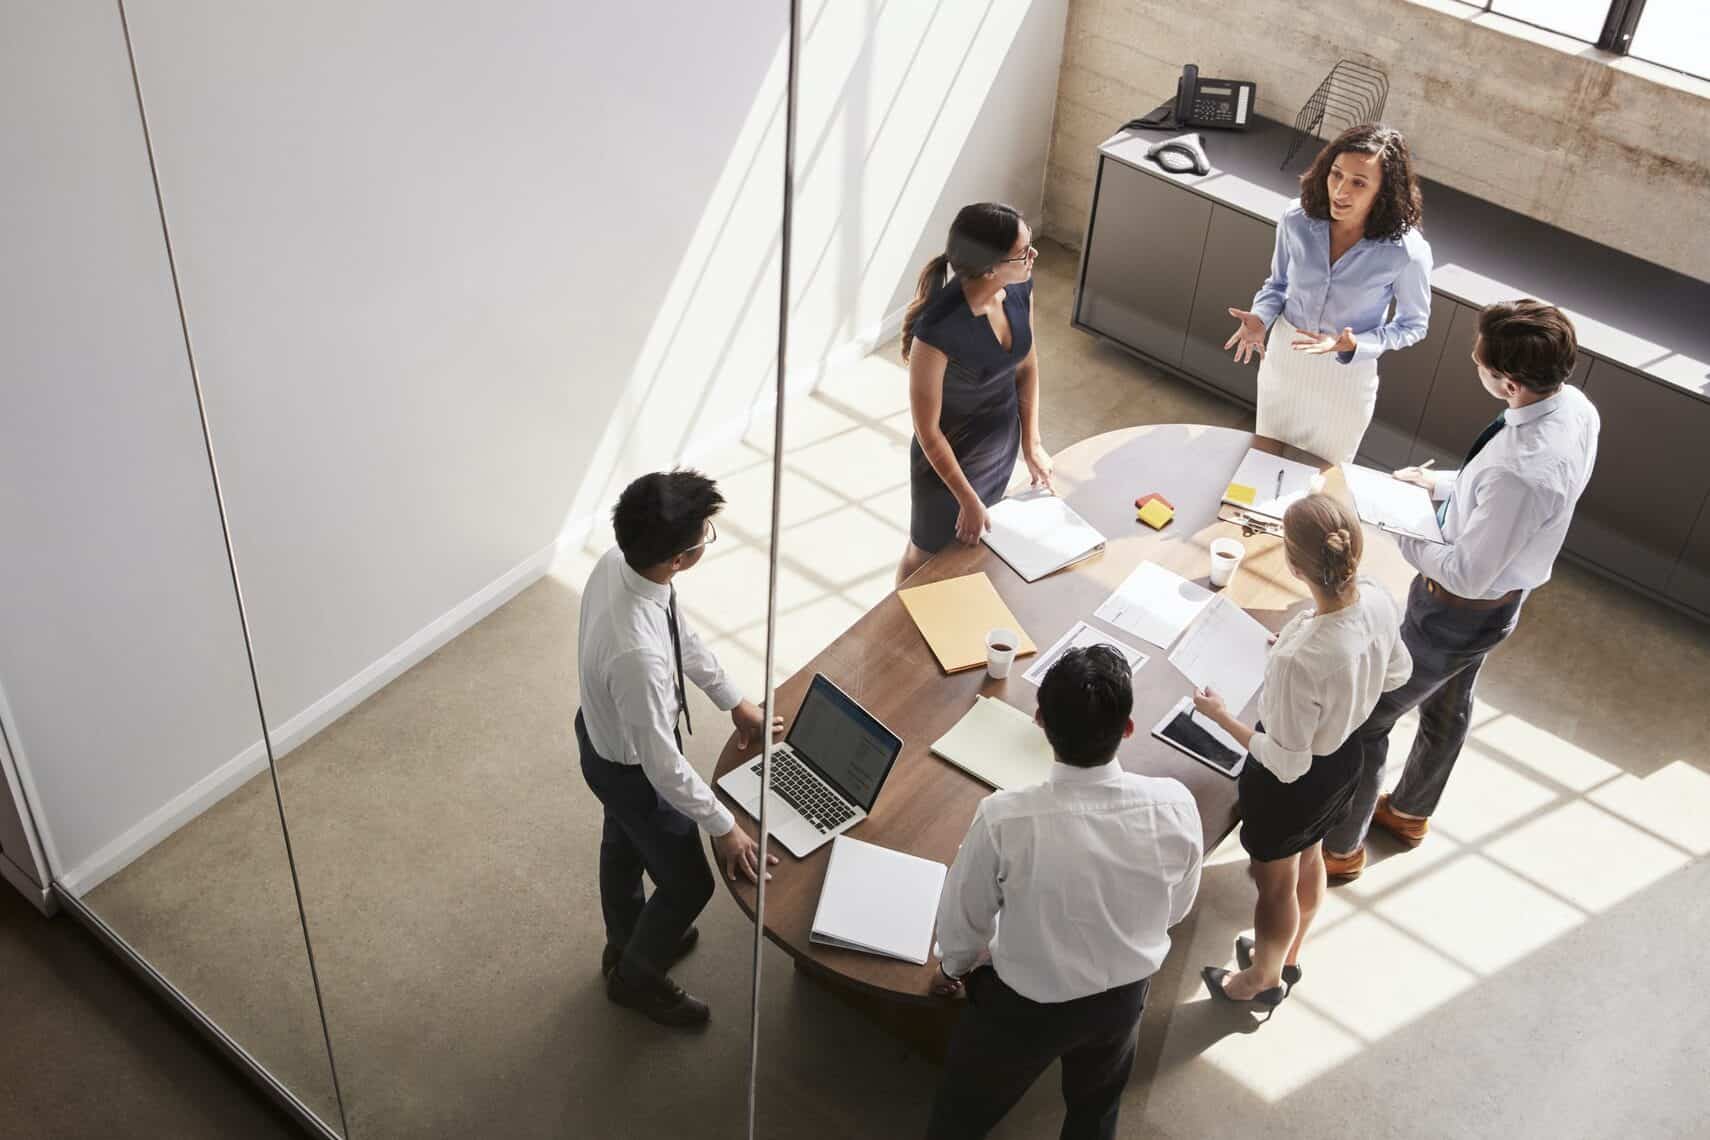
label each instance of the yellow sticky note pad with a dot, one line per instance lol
(1155, 514)
(1241, 493)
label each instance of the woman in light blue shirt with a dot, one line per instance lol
(1346, 248)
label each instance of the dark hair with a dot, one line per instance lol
(1323, 540)
(981, 236)
(1528, 342)
(662, 514)
(1085, 701)
(1397, 207)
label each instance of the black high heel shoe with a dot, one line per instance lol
(1244, 955)
(1267, 1000)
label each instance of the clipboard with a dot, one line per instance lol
(956, 614)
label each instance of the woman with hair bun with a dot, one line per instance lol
(973, 380)
(1347, 249)
(1325, 673)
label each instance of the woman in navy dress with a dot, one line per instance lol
(973, 380)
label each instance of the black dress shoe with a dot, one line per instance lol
(610, 955)
(661, 999)
(1244, 956)
(1267, 1000)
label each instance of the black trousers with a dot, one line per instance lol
(1003, 1041)
(643, 832)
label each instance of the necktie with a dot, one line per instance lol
(677, 652)
(1484, 437)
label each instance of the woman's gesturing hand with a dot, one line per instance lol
(1248, 340)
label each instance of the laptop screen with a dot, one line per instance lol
(843, 742)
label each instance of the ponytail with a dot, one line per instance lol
(931, 280)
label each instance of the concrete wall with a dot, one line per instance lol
(1534, 122)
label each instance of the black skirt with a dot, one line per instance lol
(1278, 819)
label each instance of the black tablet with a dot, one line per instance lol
(1208, 744)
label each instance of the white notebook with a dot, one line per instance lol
(1266, 484)
(1039, 535)
(877, 900)
(998, 744)
(1389, 504)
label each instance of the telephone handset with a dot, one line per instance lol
(1221, 103)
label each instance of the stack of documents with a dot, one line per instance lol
(1224, 650)
(956, 614)
(1266, 484)
(1039, 535)
(998, 744)
(1389, 504)
(878, 900)
(1154, 604)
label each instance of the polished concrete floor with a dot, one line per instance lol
(1526, 973)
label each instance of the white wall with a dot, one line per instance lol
(122, 676)
(451, 281)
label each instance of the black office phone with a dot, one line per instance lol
(1224, 104)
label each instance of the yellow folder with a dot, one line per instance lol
(956, 614)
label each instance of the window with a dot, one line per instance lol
(1672, 33)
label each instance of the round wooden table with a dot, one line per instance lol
(883, 662)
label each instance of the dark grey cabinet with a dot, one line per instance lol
(1405, 379)
(1142, 260)
(1237, 259)
(1690, 582)
(1650, 480)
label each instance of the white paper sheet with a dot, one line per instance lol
(1224, 649)
(1079, 637)
(1388, 503)
(1040, 534)
(1154, 604)
(1276, 482)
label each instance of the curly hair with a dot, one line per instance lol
(1397, 208)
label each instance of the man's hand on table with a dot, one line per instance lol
(737, 850)
(750, 720)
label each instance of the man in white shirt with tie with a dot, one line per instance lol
(1089, 870)
(1505, 514)
(634, 653)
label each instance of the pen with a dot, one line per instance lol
(1427, 463)
(1279, 485)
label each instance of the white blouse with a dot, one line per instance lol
(1323, 678)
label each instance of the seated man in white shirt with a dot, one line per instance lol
(634, 652)
(1505, 514)
(1088, 870)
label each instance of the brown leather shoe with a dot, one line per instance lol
(1405, 828)
(1344, 868)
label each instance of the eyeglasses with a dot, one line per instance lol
(711, 537)
(1031, 253)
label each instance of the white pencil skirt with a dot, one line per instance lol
(1314, 402)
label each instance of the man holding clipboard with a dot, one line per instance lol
(1503, 516)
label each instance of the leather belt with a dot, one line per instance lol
(1437, 590)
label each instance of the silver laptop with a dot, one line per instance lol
(826, 774)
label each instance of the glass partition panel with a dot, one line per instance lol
(125, 688)
(512, 265)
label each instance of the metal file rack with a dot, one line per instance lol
(1352, 93)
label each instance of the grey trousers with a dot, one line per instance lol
(1449, 644)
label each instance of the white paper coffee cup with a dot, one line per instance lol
(1226, 555)
(1001, 645)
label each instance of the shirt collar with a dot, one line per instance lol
(1533, 411)
(1062, 773)
(647, 591)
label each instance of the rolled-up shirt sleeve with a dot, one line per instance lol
(1289, 710)
(1273, 294)
(702, 667)
(968, 907)
(1412, 317)
(644, 690)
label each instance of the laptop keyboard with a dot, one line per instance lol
(806, 792)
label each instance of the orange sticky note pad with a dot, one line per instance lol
(1241, 493)
(1155, 514)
